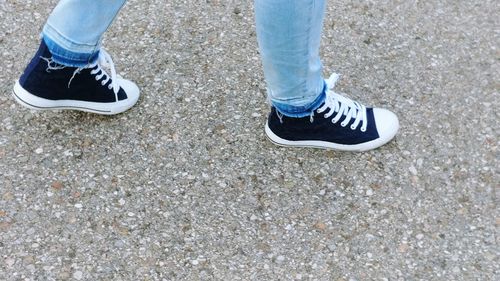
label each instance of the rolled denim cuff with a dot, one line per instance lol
(300, 111)
(67, 53)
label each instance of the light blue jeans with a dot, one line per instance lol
(288, 32)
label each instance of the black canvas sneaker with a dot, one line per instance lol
(339, 123)
(47, 85)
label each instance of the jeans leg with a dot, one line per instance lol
(289, 35)
(74, 30)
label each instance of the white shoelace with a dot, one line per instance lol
(344, 107)
(104, 61)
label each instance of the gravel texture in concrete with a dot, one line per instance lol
(185, 185)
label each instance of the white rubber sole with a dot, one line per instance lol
(31, 101)
(329, 145)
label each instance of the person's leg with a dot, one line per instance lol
(289, 34)
(70, 69)
(74, 29)
(305, 110)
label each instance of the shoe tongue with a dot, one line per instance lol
(104, 68)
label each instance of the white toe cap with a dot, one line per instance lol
(130, 89)
(387, 123)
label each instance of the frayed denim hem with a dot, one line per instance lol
(300, 111)
(66, 57)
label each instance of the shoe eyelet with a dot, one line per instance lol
(102, 83)
(343, 124)
(363, 130)
(353, 128)
(109, 87)
(96, 79)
